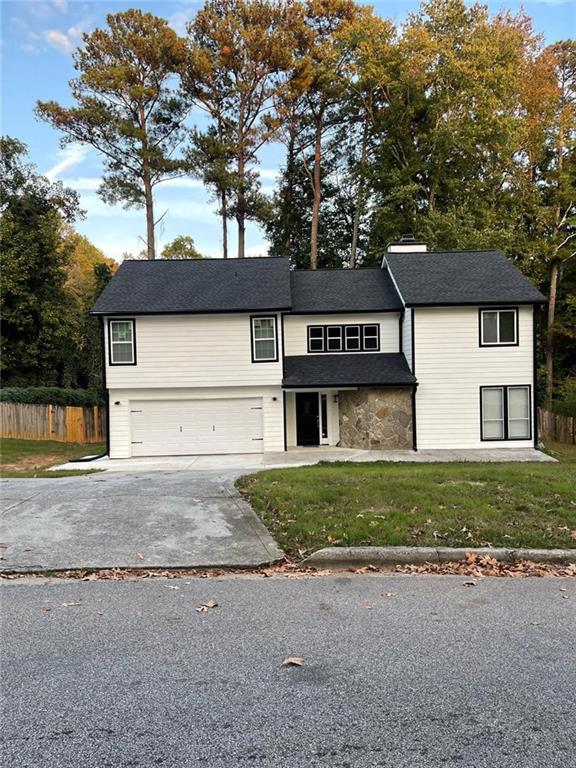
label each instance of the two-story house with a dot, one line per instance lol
(432, 350)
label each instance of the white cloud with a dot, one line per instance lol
(257, 250)
(66, 42)
(270, 174)
(60, 5)
(180, 19)
(72, 155)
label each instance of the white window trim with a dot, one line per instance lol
(357, 337)
(273, 337)
(316, 339)
(340, 338)
(375, 336)
(498, 312)
(113, 343)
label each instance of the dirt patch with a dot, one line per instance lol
(32, 462)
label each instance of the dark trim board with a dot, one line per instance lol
(265, 312)
(124, 320)
(510, 308)
(269, 316)
(104, 383)
(505, 388)
(377, 384)
(472, 303)
(355, 311)
(535, 321)
(412, 334)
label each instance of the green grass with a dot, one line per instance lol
(385, 504)
(31, 458)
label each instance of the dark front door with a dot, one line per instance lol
(307, 420)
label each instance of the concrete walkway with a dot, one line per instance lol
(160, 520)
(238, 463)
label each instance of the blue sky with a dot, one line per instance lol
(38, 37)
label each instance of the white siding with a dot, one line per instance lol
(296, 329)
(193, 351)
(450, 369)
(121, 399)
(407, 337)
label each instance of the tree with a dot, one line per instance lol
(37, 325)
(181, 247)
(210, 158)
(127, 109)
(238, 54)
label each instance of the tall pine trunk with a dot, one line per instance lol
(359, 193)
(316, 181)
(224, 211)
(147, 182)
(554, 281)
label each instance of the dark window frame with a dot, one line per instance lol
(482, 311)
(252, 338)
(131, 320)
(505, 388)
(342, 327)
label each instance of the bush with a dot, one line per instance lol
(50, 396)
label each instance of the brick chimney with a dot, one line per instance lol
(407, 244)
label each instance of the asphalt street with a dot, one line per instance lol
(399, 671)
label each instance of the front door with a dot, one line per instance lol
(307, 418)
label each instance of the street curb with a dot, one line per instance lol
(345, 557)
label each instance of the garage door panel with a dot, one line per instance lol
(189, 427)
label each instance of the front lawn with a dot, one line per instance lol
(31, 458)
(385, 504)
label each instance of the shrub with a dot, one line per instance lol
(50, 396)
(566, 404)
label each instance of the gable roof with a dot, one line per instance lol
(182, 286)
(459, 278)
(387, 369)
(343, 290)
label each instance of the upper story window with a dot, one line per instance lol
(264, 340)
(344, 338)
(122, 340)
(498, 327)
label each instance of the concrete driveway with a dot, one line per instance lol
(165, 519)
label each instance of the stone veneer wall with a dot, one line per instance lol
(377, 419)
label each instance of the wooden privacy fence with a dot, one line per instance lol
(552, 426)
(64, 423)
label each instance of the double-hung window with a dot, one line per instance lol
(264, 342)
(498, 327)
(315, 338)
(122, 342)
(334, 338)
(352, 338)
(505, 413)
(371, 338)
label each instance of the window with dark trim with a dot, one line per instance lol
(344, 338)
(499, 327)
(264, 340)
(121, 342)
(505, 412)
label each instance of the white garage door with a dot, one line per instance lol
(189, 427)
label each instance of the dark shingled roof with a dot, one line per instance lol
(356, 370)
(460, 277)
(343, 290)
(197, 285)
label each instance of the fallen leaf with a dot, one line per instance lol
(5, 546)
(388, 594)
(293, 661)
(203, 607)
(70, 605)
(140, 555)
(469, 584)
(572, 535)
(563, 589)
(45, 608)
(170, 586)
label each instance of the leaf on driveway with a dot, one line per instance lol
(140, 555)
(468, 583)
(170, 586)
(45, 608)
(293, 661)
(5, 546)
(203, 607)
(70, 605)
(388, 594)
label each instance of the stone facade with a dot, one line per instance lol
(377, 419)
